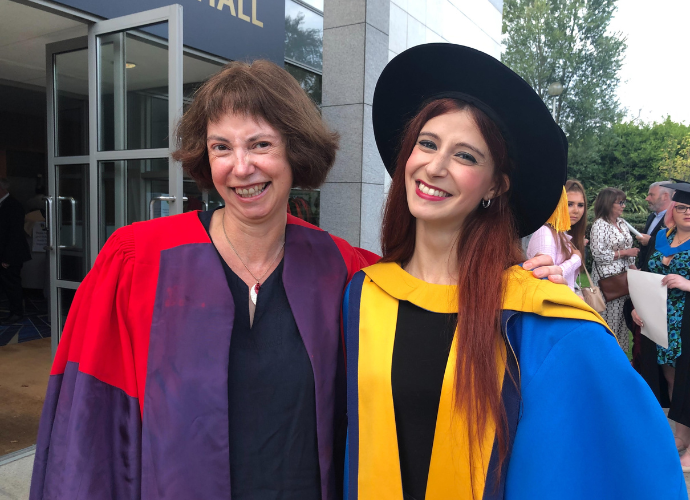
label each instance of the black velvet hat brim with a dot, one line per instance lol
(536, 144)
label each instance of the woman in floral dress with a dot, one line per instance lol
(612, 252)
(671, 258)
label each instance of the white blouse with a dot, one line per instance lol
(606, 239)
(543, 242)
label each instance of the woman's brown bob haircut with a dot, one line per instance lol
(603, 205)
(258, 90)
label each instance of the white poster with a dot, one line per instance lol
(649, 298)
(40, 237)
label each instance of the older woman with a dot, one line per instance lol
(467, 377)
(612, 253)
(667, 369)
(204, 349)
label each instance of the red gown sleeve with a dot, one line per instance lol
(355, 258)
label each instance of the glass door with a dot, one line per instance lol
(67, 204)
(135, 78)
(114, 98)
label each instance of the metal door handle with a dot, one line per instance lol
(161, 198)
(49, 220)
(73, 204)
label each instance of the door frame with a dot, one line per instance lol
(172, 14)
(54, 161)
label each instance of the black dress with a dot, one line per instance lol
(271, 398)
(420, 353)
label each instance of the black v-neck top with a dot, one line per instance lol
(271, 397)
(422, 344)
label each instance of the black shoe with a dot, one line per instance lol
(11, 319)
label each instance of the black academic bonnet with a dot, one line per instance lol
(682, 194)
(536, 145)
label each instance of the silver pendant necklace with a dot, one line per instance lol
(254, 290)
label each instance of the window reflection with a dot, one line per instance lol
(133, 91)
(72, 103)
(305, 204)
(303, 35)
(126, 188)
(310, 82)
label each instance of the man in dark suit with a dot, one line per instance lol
(658, 199)
(14, 251)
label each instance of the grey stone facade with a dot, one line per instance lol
(359, 38)
(355, 51)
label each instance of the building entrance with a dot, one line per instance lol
(110, 138)
(87, 113)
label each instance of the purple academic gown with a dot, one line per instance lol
(137, 402)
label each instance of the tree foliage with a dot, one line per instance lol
(632, 155)
(675, 161)
(567, 41)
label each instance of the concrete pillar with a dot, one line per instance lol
(355, 51)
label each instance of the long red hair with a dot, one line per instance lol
(488, 246)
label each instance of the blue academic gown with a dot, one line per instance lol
(583, 424)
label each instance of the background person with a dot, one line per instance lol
(577, 209)
(667, 370)
(437, 406)
(553, 240)
(659, 199)
(14, 251)
(612, 253)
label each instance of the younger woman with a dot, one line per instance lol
(467, 377)
(577, 209)
(552, 239)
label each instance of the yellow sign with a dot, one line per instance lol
(240, 10)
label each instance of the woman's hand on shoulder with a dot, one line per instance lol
(542, 267)
(676, 281)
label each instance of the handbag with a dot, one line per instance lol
(613, 287)
(592, 295)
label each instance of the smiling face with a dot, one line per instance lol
(576, 206)
(249, 167)
(449, 171)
